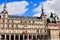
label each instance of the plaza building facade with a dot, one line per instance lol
(22, 27)
(26, 28)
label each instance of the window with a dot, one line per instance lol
(16, 25)
(7, 31)
(3, 20)
(2, 25)
(16, 21)
(6, 25)
(10, 21)
(33, 21)
(37, 30)
(16, 31)
(2, 31)
(29, 21)
(4, 16)
(10, 25)
(25, 23)
(21, 21)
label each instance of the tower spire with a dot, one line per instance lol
(42, 9)
(4, 8)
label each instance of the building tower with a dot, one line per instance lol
(4, 15)
(42, 13)
(43, 17)
(4, 12)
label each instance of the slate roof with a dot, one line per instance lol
(23, 17)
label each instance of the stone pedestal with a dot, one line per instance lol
(54, 34)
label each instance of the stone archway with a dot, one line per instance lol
(25, 37)
(21, 37)
(2, 37)
(16, 37)
(38, 37)
(30, 36)
(34, 37)
(7, 37)
(12, 37)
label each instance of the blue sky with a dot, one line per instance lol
(32, 5)
(34, 1)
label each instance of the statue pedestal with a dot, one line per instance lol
(54, 34)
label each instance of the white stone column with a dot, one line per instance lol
(28, 36)
(0, 37)
(19, 36)
(10, 37)
(14, 36)
(23, 37)
(36, 36)
(32, 36)
(5, 36)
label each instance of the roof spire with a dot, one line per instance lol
(42, 9)
(4, 8)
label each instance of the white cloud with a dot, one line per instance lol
(14, 8)
(38, 15)
(35, 5)
(49, 6)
